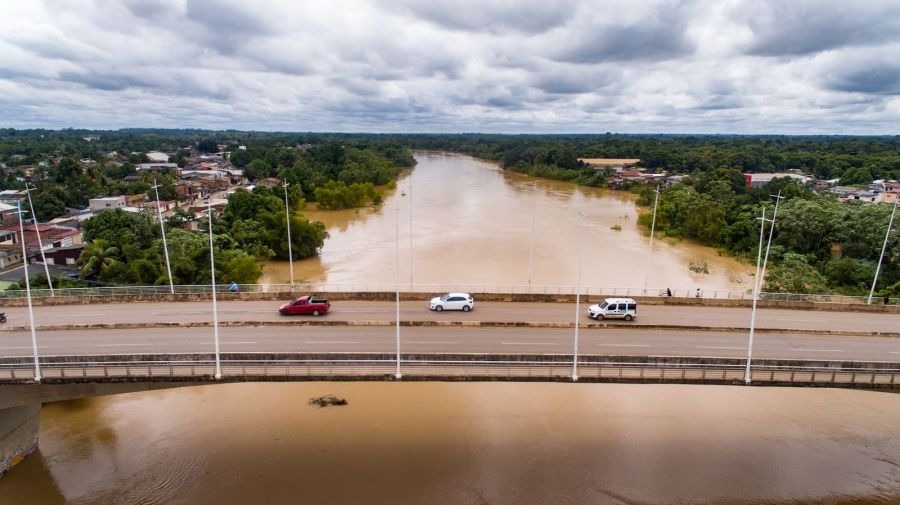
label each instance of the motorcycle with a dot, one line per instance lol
(2, 317)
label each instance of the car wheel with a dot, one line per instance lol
(599, 317)
(439, 308)
(466, 308)
(628, 317)
(315, 312)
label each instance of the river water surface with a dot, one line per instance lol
(467, 443)
(462, 221)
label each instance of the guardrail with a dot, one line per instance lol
(472, 368)
(115, 291)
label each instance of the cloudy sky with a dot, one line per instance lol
(498, 66)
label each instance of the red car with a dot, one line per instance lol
(305, 305)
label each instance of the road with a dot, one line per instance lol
(619, 338)
(690, 316)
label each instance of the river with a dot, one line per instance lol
(476, 443)
(455, 220)
(467, 443)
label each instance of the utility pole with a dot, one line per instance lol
(883, 248)
(756, 288)
(165, 244)
(650, 252)
(37, 231)
(34, 346)
(212, 265)
(287, 215)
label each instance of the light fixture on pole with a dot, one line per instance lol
(756, 288)
(37, 231)
(650, 252)
(165, 244)
(287, 216)
(883, 248)
(34, 346)
(212, 271)
(577, 301)
(397, 241)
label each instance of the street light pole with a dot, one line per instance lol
(756, 287)
(34, 346)
(410, 233)
(762, 275)
(212, 265)
(883, 248)
(287, 215)
(531, 243)
(397, 241)
(650, 252)
(165, 244)
(577, 302)
(37, 231)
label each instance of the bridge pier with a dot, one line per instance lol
(19, 428)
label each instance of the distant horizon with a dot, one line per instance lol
(510, 134)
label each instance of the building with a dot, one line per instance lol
(158, 166)
(107, 202)
(12, 196)
(614, 164)
(158, 157)
(758, 180)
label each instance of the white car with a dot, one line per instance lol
(452, 301)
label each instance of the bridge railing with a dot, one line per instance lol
(119, 291)
(452, 369)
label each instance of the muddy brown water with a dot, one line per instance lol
(456, 220)
(467, 443)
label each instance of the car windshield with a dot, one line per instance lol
(604, 305)
(445, 298)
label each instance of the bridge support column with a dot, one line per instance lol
(19, 428)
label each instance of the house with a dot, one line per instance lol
(107, 202)
(158, 157)
(158, 166)
(64, 255)
(755, 180)
(268, 182)
(51, 235)
(12, 196)
(614, 164)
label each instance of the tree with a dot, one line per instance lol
(207, 145)
(97, 258)
(794, 275)
(118, 227)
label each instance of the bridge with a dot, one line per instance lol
(116, 343)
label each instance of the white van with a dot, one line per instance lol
(624, 308)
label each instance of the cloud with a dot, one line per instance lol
(802, 27)
(416, 65)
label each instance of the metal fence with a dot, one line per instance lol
(118, 291)
(437, 369)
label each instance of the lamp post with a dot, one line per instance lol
(756, 287)
(165, 244)
(531, 243)
(397, 241)
(37, 231)
(577, 302)
(212, 265)
(650, 252)
(883, 248)
(762, 275)
(410, 233)
(37, 364)
(287, 215)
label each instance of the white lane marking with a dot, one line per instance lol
(527, 343)
(98, 314)
(430, 342)
(23, 347)
(719, 347)
(182, 313)
(624, 345)
(330, 342)
(239, 343)
(124, 345)
(894, 352)
(819, 350)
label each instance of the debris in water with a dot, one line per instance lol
(327, 400)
